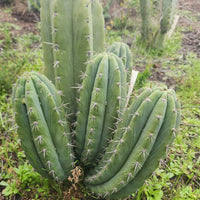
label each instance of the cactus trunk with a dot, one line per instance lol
(74, 35)
(33, 5)
(123, 52)
(168, 10)
(145, 7)
(43, 130)
(139, 143)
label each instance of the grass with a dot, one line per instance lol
(17, 55)
(178, 176)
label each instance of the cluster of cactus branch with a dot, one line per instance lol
(78, 116)
(156, 38)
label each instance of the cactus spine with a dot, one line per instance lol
(42, 126)
(72, 34)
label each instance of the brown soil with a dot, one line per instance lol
(26, 21)
(191, 39)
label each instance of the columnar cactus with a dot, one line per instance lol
(100, 104)
(140, 141)
(168, 11)
(118, 146)
(128, 142)
(159, 150)
(72, 31)
(128, 146)
(44, 133)
(145, 8)
(155, 38)
(123, 52)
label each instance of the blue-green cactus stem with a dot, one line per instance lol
(165, 137)
(47, 38)
(48, 131)
(55, 119)
(121, 123)
(123, 52)
(126, 138)
(84, 102)
(24, 128)
(98, 26)
(139, 153)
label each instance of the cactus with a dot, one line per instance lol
(128, 142)
(122, 51)
(145, 7)
(168, 11)
(142, 141)
(101, 102)
(44, 133)
(156, 38)
(118, 146)
(158, 152)
(72, 31)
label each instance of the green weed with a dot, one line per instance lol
(17, 56)
(142, 78)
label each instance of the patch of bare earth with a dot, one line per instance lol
(189, 21)
(26, 21)
(191, 37)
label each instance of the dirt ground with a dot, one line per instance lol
(21, 18)
(191, 39)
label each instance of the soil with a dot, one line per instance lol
(191, 39)
(27, 21)
(21, 17)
